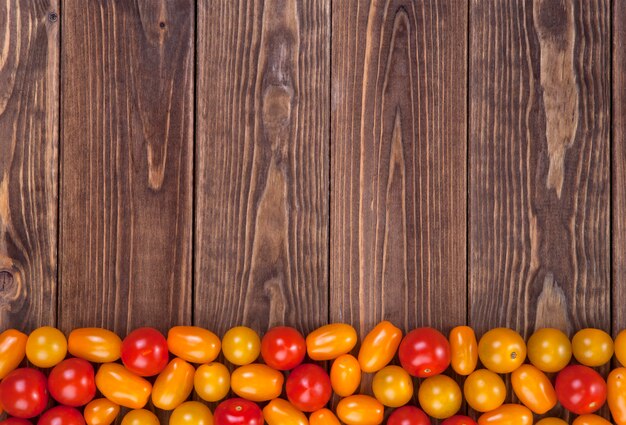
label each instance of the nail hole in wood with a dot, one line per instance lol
(162, 25)
(53, 17)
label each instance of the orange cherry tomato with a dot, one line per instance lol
(440, 396)
(122, 387)
(507, 414)
(345, 375)
(392, 386)
(533, 388)
(257, 382)
(140, 417)
(549, 349)
(281, 412)
(46, 347)
(191, 413)
(94, 344)
(323, 417)
(241, 345)
(484, 390)
(331, 341)
(551, 421)
(194, 344)
(212, 381)
(101, 412)
(592, 347)
(379, 347)
(463, 350)
(616, 395)
(502, 350)
(173, 385)
(12, 350)
(360, 410)
(620, 347)
(590, 419)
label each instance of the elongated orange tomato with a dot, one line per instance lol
(94, 344)
(194, 344)
(616, 395)
(281, 412)
(173, 385)
(533, 388)
(463, 350)
(507, 414)
(122, 387)
(257, 382)
(330, 341)
(12, 350)
(360, 410)
(323, 417)
(101, 412)
(345, 375)
(590, 419)
(379, 346)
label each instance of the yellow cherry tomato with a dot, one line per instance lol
(257, 382)
(241, 345)
(620, 347)
(616, 395)
(592, 347)
(502, 350)
(12, 350)
(194, 344)
(122, 387)
(549, 349)
(379, 346)
(507, 414)
(392, 386)
(551, 421)
(533, 388)
(281, 412)
(212, 381)
(323, 417)
(46, 347)
(330, 341)
(484, 390)
(94, 344)
(191, 413)
(140, 417)
(440, 396)
(173, 385)
(345, 375)
(590, 419)
(463, 350)
(101, 412)
(360, 410)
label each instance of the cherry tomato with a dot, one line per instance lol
(140, 417)
(237, 411)
(193, 344)
(191, 413)
(580, 389)
(502, 350)
(323, 417)
(345, 375)
(592, 347)
(101, 412)
(212, 381)
(331, 341)
(308, 387)
(281, 412)
(46, 347)
(257, 382)
(72, 383)
(12, 350)
(463, 350)
(360, 410)
(533, 388)
(283, 348)
(241, 345)
(620, 347)
(61, 415)
(440, 396)
(507, 414)
(24, 393)
(408, 415)
(95, 345)
(459, 420)
(15, 421)
(379, 346)
(484, 390)
(590, 419)
(173, 385)
(392, 386)
(616, 395)
(549, 349)
(122, 387)
(144, 352)
(424, 352)
(551, 421)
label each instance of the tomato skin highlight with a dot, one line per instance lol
(122, 387)
(459, 420)
(308, 387)
(63, 415)
(345, 375)
(616, 395)
(549, 349)
(592, 347)
(144, 352)
(101, 412)
(360, 410)
(507, 414)
(408, 415)
(283, 348)
(191, 413)
(463, 350)
(193, 344)
(241, 345)
(173, 385)
(484, 390)
(580, 389)
(424, 352)
(24, 393)
(72, 382)
(392, 386)
(323, 417)
(46, 347)
(96, 345)
(140, 417)
(502, 350)
(257, 382)
(533, 388)
(212, 381)
(281, 412)
(12, 350)
(379, 346)
(237, 411)
(331, 341)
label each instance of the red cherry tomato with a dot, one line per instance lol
(308, 387)
(408, 415)
(580, 389)
(283, 348)
(61, 415)
(24, 393)
(144, 352)
(16, 421)
(72, 382)
(237, 411)
(459, 420)
(424, 352)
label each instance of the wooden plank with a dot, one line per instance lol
(29, 75)
(261, 244)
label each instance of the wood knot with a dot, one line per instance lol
(6, 280)
(277, 106)
(552, 17)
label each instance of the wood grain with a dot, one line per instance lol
(29, 75)
(261, 244)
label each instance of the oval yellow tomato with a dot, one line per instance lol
(101, 412)
(94, 344)
(345, 375)
(281, 412)
(507, 414)
(241, 345)
(330, 341)
(616, 394)
(379, 346)
(440, 396)
(212, 381)
(549, 349)
(46, 347)
(360, 410)
(191, 413)
(173, 385)
(551, 421)
(122, 387)
(257, 382)
(590, 419)
(323, 417)
(484, 390)
(463, 350)
(592, 347)
(533, 388)
(502, 350)
(620, 347)
(140, 417)
(392, 386)
(12, 350)
(194, 344)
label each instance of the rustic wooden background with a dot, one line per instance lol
(226, 162)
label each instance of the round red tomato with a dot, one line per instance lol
(15, 421)
(308, 387)
(144, 352)
(459, 420)
(71, 382)
(237, 411)
(408, 415)
(24, 393)
(283, 348)
(424, 352)
(61, 415)
(580, 389)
